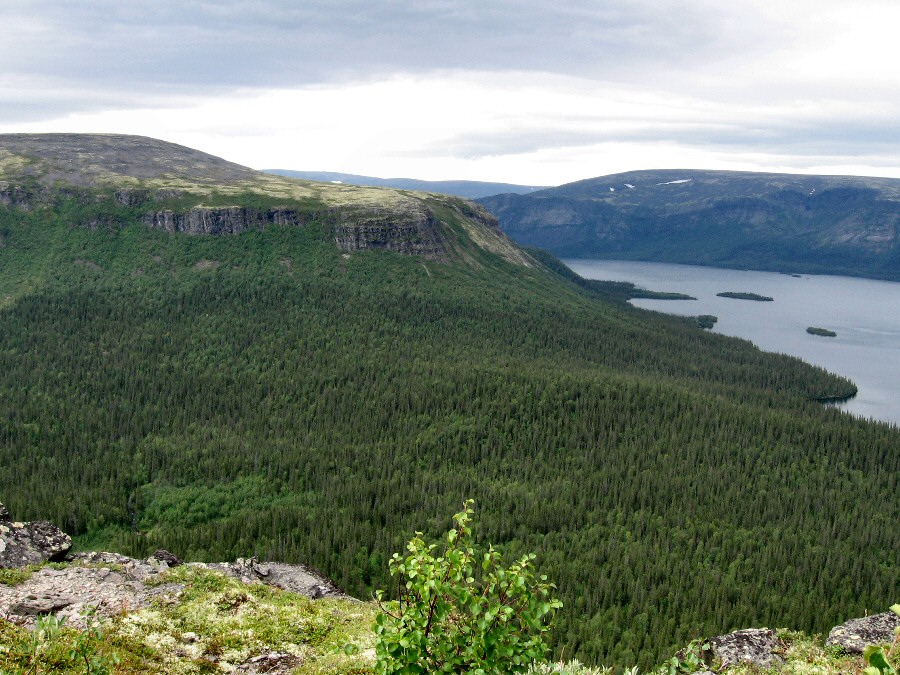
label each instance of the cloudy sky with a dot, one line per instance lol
(525, 91)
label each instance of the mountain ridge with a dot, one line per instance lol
(469, 189)
(777, 222)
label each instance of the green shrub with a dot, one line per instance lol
(447, 620)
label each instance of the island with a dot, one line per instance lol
(745, 296)
(824, 332)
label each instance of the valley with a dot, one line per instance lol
(199, 357)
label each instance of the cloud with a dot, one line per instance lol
(159, 46)
(458, 88)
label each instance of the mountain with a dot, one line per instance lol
(224, 363)
(779, 222)
(470, 189)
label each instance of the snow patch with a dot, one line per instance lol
(338, 182)
(629, 186)
(612, 189)
(675, 182)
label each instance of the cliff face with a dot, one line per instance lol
(221, 220)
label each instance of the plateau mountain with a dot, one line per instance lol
(470, 189)
(777, 222)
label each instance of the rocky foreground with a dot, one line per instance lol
(162, 615)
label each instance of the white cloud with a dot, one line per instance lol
(515, 91)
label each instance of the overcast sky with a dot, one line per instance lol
(525, 91)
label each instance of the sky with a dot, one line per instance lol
(519, 91)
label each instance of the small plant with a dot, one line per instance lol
(446, 620)
(688, 660)
(879, 660)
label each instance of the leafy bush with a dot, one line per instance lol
(446, 620)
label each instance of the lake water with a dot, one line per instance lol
(864, 313)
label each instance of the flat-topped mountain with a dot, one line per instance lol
(779, 222)
(114, 178)
(470, 189)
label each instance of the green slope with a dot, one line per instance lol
(270, 393)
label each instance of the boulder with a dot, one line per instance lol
(759, 646)
(295, 578)
(855, 635)
(4, 513)
(163, 556)
(23, 544)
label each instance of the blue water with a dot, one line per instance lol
(864, 313)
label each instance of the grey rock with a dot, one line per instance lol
(23, 544)
(34, 605)
(4, 513)
(163, 556)
(270, 662)
(855, 635)
(223, 220)
(758, 646)
(294, 578)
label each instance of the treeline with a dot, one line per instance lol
(282, 400)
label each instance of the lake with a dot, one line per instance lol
(864, 313)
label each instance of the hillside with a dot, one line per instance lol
(779, 222)
(247, 364)
(470, 189)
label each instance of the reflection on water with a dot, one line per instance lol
(864, 313)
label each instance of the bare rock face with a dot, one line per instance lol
(759, 646)
(224, 220)
(110, 583)
(412, 231)
(855, 635)
(295, 578)
(23, 544)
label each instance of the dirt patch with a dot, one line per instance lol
(206, 264)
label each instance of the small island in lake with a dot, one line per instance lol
(824, 332)
(745, 296)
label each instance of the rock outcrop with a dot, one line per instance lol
(23, 544)
(109, 584)
(758, 646)
(295, 578)
(223, 220)
(855, 635)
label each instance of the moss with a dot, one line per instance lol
(221, 622)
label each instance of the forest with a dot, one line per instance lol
(265, 394)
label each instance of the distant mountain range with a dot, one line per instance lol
(470, 189)
(765, 221)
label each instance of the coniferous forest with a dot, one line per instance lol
(265, 394)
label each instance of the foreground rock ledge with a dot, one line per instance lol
(110, 584)
(855, 635)
(23, 544)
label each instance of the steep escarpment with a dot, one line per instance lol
(112, 181)
(781, 222)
